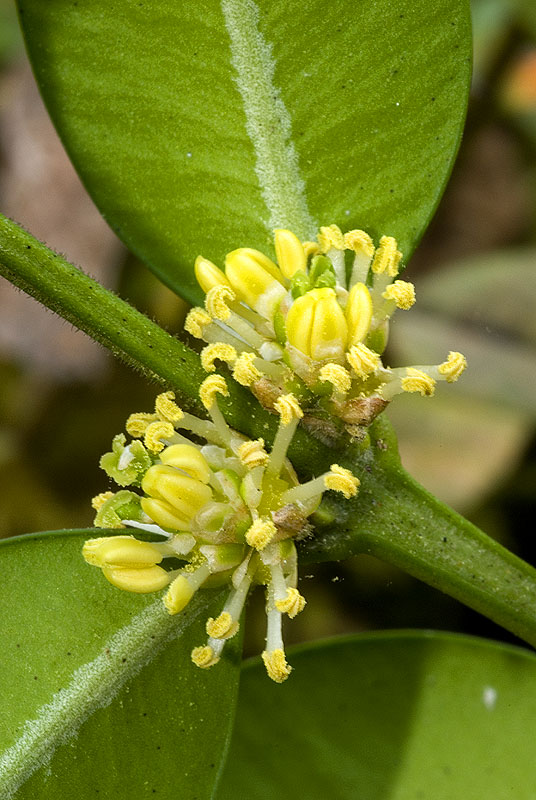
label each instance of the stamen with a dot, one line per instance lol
(338, 376)
(100, 499)
(341, 480)
(417, 381)
(363, 361)
(155, 432)
(292, 604)
(452, 368)
(219, 350)
(260, 533)
(211, 386)
(223, 627)
(184, 587)
(245, 371)
(330, 236)
(167, 410)
(290, 414)
(196, 321)
(402, 293)
(252, 453)
(137, 423)
(387, 257)
(204, 656)
(274, 654)
(217, 302)
(361, 243)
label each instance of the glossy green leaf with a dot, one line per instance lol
(202, 127)
(79, 654)
(399, 716)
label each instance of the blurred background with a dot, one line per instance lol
(63, 397)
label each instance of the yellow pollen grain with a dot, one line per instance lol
(217, 300)
(195, 321)
(387, 257)
(292, 604)
(211, 386)
(167, 409)
(288, 408)
(138, 423)
(453, 367)
(360, 242)
(418, 381)
(341, 480)
(363, 360)
(252, 453)
(402, 292)
(218, 350)
(339, 377)
(204, 656)
(223, 627)
(330, 237)
(260, 533)
(100, 499)
(155, 432)
(245, 371)
(276, 665)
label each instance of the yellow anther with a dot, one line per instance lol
(360, 242)
(220, 351)
(217, 302)
(402, 292)
(121, 551)
(155, 432)
(167, 409)
(204, 656)
(288, 408)
(178, 595)
(223, 627)
(187, 458)
(341, 480)
(256, 280)
(140, 581)
(211, 386)
(338, 376)
(99, 500)
(358, 313)
(196, 320)
(453, 367)
(363, 361)
(330, 237)
(290, 252)
(260, 533)
(276, 665)
(418, 381)
(252, 453)
(316, 325)
(208, 274)
(172, 493)
(138, 423)
(245, 371)
(310, 249)
(292, 604)
(387, 257)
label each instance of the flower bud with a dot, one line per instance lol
(358, 313)
(140, 581)
(208, 274)
(121, 551)
(316, 326)
(174, 498)
(187, 458)
(256, 280)
(290, 252)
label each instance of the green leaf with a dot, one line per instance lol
(399, 716)
(79, 654)
(204, 127)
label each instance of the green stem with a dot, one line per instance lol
(393, 517)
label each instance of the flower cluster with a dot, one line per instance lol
(314, 324)
(226, 511)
